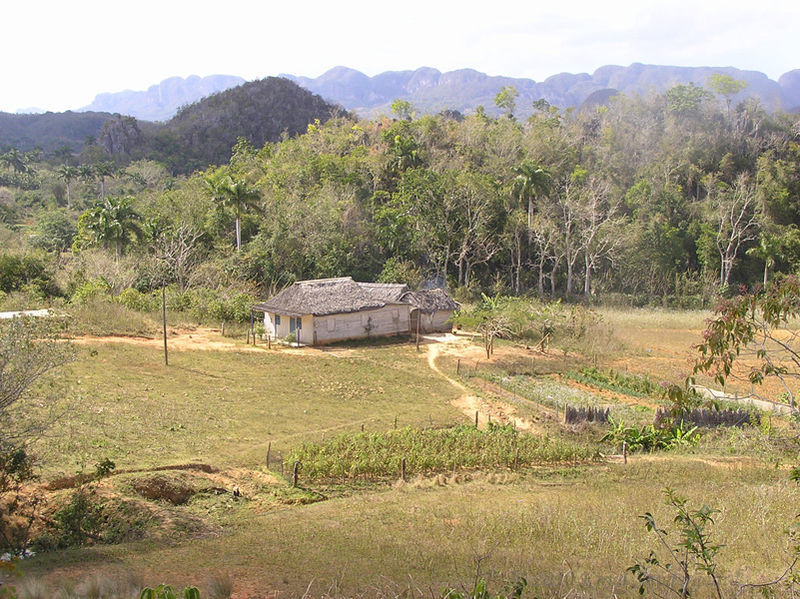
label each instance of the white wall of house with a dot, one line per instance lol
(434, 322)
(392, 319)
(280, 325)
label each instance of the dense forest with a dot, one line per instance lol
(667, 199)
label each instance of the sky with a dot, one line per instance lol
(59, 55)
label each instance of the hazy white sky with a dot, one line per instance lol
(58, 55)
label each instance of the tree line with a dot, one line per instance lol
(678, 195)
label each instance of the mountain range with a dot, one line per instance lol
(431, 91)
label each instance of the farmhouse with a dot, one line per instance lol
(433, 309)
(324, 310)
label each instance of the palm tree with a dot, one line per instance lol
(113, 221)
(236, 192)
(15, 160)
(67, 173)
(531, 180)
(101, 171)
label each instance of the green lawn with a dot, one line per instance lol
(223, 408)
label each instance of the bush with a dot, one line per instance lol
(141, 302)
(89, 290)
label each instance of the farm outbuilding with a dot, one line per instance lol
(432, 308)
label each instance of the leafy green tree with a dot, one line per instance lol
(112, 222)
(506, 100)
(726, 86)
(237, 193)
(686, 99)
(776, 244)
(531, 181)
(55, 230)
(403, 109)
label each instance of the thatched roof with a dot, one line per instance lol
(430, 301)
(320, 297)
(391, 293)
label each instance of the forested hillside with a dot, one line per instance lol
(668, 198)
(51, 131)
(202, 133)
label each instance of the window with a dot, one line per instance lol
(277, 320)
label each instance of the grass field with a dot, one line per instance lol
(571, 529)
(224, 407)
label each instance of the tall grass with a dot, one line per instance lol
(378, 455)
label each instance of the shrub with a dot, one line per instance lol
(136, 300)
(90, 289)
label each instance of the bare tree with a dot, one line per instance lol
(735, 214)
(599, 225)
(567, 205)
(177, 248)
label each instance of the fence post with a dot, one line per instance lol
(295, 473)
(458, 367)
(624, 452)
(395, 421)
(269, 448)
(476, 418)
(516, 459)
(403, 469)
(362, 427)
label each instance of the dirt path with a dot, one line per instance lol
(468, 403)
(198, 339)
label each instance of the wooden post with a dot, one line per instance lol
(362, 427)
(164, 320)
(417, 330)
(269, 341)
(269, 449)
(476, 418)
(516, 458)
(458, 366)
(251, 330)
(395, 421)
(403, 469)
(223, 328)
(624, 452)
(295, 473)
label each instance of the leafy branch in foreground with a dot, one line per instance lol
(755, 326)
(670, 569)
